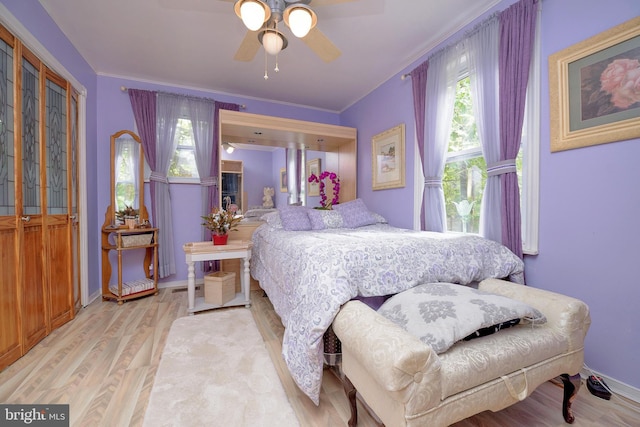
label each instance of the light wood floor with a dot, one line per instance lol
(104, 361)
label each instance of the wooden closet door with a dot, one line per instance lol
(35, 312)
(10, 336)
(57, 220)
(74, 195)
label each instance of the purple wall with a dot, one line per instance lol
(589, 197)
(256, 173)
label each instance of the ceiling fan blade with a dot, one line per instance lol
(321, 45)
(248, 48)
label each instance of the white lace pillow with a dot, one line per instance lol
(273, 219)
(322, 218)
(441, 314)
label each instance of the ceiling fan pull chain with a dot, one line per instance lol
(277, 69)
(266, 75)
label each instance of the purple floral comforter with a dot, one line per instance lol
(308, 275)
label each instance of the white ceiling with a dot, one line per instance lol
(191, 43)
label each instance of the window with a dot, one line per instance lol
(465, 168)
(183, 163)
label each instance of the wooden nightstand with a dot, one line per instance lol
(207, 251)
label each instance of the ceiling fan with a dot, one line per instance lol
(262, 17)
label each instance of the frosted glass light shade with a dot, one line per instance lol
(272, 42)
(300, 18)
(253, 14)
(300, 21)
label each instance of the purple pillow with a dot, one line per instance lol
(315, 218)
(295, 218)
(355, 214)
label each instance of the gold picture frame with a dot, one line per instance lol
(586, 108)
(387, 159)
(283, 180)
(313, 167)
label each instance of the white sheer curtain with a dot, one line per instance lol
(168, 112)
(482, 54)
(444, 69)
(201, 113)
(128, 154)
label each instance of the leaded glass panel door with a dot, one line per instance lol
(10, 348)
(58, 237)
(75, 214)
(34, 288)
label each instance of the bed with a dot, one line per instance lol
(310, 262)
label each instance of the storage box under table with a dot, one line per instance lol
(219, 287)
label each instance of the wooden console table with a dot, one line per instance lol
(207, 251)
(122, 240)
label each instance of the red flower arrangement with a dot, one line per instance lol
(336, 187)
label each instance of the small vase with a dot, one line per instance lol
(220, 239)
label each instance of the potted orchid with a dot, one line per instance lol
(220, 222)
(333, 177)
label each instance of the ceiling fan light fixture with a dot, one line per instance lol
(253, 13)
(300, 19)
(273, 41)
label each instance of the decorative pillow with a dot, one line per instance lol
(273, 219)
(379, 218)
(355, 214)
(323, 218)
(295, 218)
(441, 314)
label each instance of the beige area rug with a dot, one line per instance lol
(215, 370)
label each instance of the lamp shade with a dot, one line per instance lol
(272, 42)
(300, 19)
(252, 12)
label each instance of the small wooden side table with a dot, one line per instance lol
(207, 251)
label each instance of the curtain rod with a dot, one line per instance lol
(124, 89)
(467, 34)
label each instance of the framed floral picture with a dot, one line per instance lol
(283, 180)
(313, 167)
(387, 159)
(593, 97)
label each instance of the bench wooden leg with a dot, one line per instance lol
(571, 386)
(350, 390)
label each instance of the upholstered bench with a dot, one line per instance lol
(406, 383)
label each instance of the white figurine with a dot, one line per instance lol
(267, 199)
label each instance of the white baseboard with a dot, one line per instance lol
(617, 387)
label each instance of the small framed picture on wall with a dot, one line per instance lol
(283, 180)
(387, 159)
